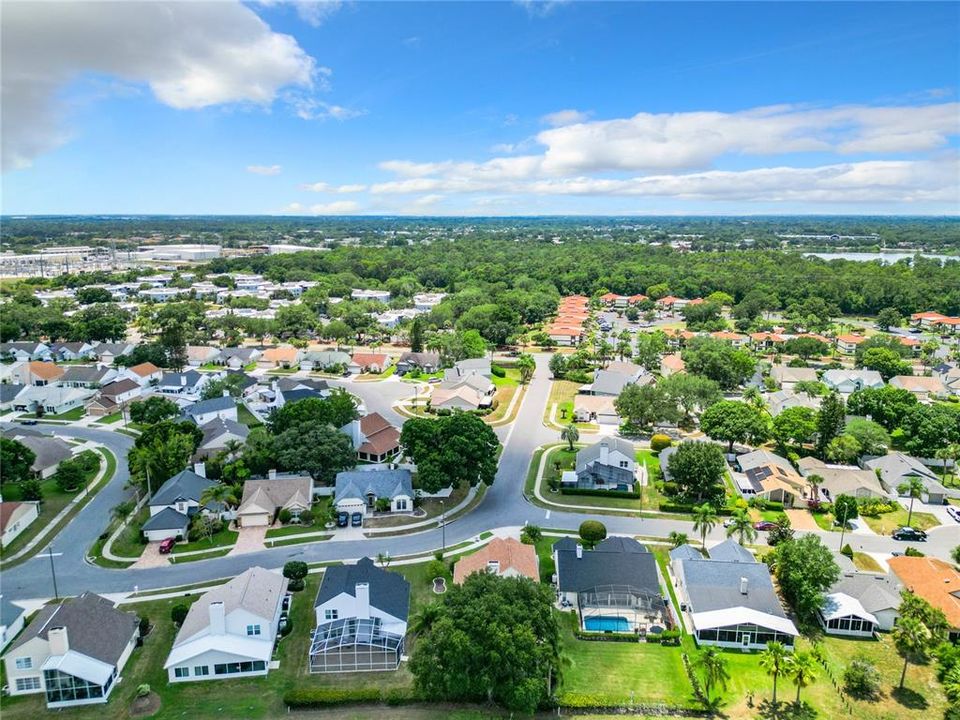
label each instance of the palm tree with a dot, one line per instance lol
(422, 621)
(231, 448)
(752, 396)
(951, 684)
(741, 525)
(950, 452)
(910, 636)
(677, 539)
(714, 666)
(912, 488)
(219, 494)
(774, 661)
(705, 519)
(526, 365)
(802, 668)
(814, 481)
(571, 434)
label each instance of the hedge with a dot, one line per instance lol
(668, 506)
(497, 371)
(606, 636)
(585, 701)
(307, 698)
(630, 494)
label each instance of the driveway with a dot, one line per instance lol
(801, 519)
(250, 540)
(151, 558)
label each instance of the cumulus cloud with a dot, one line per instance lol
(264, 169)
(565, 117)
(190, 55)
(322, 187)
(339, 207)
(310, 108)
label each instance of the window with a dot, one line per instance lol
(253, 629)
(239, 667)
(24, 663)
(201, 670)
(181, 672)
(402, 504)
(330, 614)
(28, 683)
(62, 687)
(624, 464)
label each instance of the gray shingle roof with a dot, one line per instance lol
(84, 373)
(215, 404)
(874, 591)
(185, 485)
(218, 426)
(591, 453)
(607, 382)
(731, 551)
(171, 379)
(167, 519)
(389, 591)
(381, 483)
(685, 552)
(49, 451)
(715, 585)
(8, 391)
(94, 626)
(615, 561)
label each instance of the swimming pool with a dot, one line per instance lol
(606, 623)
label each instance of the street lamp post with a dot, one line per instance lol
(53, 571)
(443, 524)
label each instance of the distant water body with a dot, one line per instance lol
(887, 258)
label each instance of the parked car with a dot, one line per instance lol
(909, 533)
(343, 519)
(166, 547)
(28, 422)
(953, 512)
(765, 525)
(356, 519)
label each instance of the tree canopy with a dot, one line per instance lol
(450, 451)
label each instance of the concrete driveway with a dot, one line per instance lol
(151, 558)
(250, 540)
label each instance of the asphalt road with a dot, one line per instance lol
(503, 506)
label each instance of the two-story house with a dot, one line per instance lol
(609, 464)
(174, 504)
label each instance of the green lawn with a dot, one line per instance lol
(111, 418)
(224, 538)
(562, 393)
(71, 415)
(283, 370)
(129, 543)
(373, 377)
(215, 553)
(246, 417)
(888, 522)
(866, 563)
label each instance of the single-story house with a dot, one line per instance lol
(424, 361)
(897, 468)
(264, 499)
(361, 613)
(324, 359)
(612, 382)
(237, 358)
(279, 357)
(771, 477)
(501, 556)
(609, 464)
(842, 479)
(108, 352)
(849, 381)
(73, 652)
(934, 580)
(925, 388)
(71, 351)
(88, 376)
(781, 400)
(198, 355)
(614, 587)
(230, 631)
(860, 603)
(217, 433)
(373, 437)
(144, 374)
(203, 411)
(188, 384)
(14, 519)
(359, 490)
(174, 504)
(368, 362)
(731, 603)
(8, 394)
(54, 399)
(24, 351)
(786, 376)
(50, 451)
(458, 397)
(672, 364)
(595, 408)
(39, 373)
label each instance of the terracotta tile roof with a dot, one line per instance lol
(144, 369)
(935, 580)
(365, 359)
(726, 335)
(673, 362)
(382, 437)
(610, 297)
(280, 354)
(929, 315)
(909, 341)
(509, 553)
(637, 298)
(45, 370)
(851, 339)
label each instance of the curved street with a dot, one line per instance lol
(503, 506)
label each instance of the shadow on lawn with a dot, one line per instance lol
(909, 698)
(786, 711)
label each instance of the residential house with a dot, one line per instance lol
(672, 364)
(849, 381)
(13, 372)
(198, 355)
(121, 392)
(613, 300)
(230, 631)
(859, 604)
(40, 374)
(361, 613)
(730, 602)
(564, 335)
(731, 551)
(771, 477)
(217, 433)
(24, 351)
(924, 388)
(505, 557)
(145, 374)
(896, 468)
(382, 296)
(614, 587)
(927, 319)
(15, 517)
(71, 351)
(187, 385)
(368, 363)
(842, 479)
(8, 395)
(174, 504)
(767, 341)
(609, 464)
(238, 358)
(934, 580)
(88, 376)
(595, 408)
(279, 357)
(203, 411)
(425, 302)
(108, 352)
(73, 652)
(470, 366)
(12, 618)
(50, 451)
(325, 360)
(373, 437)
(264, 499)
(781, 400)
(786, 377)
(458, 397)
(612, 381)
(950, 376)
(53, 399)
(735, 339)
(423, 361)
(847, 344)
(359, 490)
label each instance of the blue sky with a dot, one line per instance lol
(481, 108)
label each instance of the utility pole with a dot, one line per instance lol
(443, 525)
(53, 571)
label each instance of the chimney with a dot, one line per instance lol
(57, 637)
(200, 469)
(272, 474)
(226, 393)
(743, 586)
(579, 551)
(362, 591)
(218, 620)
(183, 380)
(604, 452)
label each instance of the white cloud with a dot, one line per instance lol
(264, 169)
(310, 108)
(322, 187)
(354, 188)
(540, 8)
(565, 117)
(339, 207)
(315, 12)
(191, 55)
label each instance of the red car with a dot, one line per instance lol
(765, 525)
(166, 546)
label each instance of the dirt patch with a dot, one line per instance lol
(145, 706)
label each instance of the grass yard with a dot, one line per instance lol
(888, 522)
(373, 377)
(129, 543)
(866, 563)
(111, 418)
(562, 393)
(225, 537)
(246, 417)
(431, 506)
(214, 553)
(75, 414)
(283, 370)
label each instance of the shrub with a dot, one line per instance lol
(659, 442)
(178, 613)
(143, 690)
(143, 626)
(383, 504)
(861, 679)
(284, 516)
(497, 371)
(592, 531)
(435, 569)
(913, 552)
(670, 637)
(444, 412)
(31, 490)
(295, 570)
(578, 376)
(593, 492)
(287, 628)
(306, 517)
(314, 697)
(847, 550)
(531, 533)
(296, 585)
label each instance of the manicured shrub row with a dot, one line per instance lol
(629, 494)
(497, 371)
(306, 698)
(668, 506)
(604, 702)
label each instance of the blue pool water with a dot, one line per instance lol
(606, 624)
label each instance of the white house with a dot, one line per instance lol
(12, 618)
(14, 519)
(72, 652)
(204, 411)
(230, 631)
(144, 374)
(359, 490)
(361, 612)
(849, 381)
(859, 604)
(174, 504)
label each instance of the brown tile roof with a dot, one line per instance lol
(118, 387)
(510, 553)
(851, 339)
(366, 359)
(144, 369)
(280, 354)
(6, 512)
(382, 437)
(45, 370)
(935, 580)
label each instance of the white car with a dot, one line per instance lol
(954, 512)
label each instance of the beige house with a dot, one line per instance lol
(14, 519)
(923, 387)
(672, 364)
(505, 557)
(264, 499)
(279, 357)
